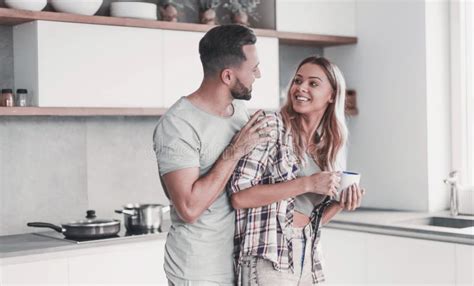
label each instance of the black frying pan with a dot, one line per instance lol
(89, 228)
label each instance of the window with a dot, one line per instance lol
(470, 91)
(462, 89)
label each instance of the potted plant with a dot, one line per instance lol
(169, 9)
(207, 11)
(241, 10)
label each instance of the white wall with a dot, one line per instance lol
(400, 139)
(316, 16)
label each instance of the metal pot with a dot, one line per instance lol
(143, 217)
(90, 228)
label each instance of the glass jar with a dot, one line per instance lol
(22, 98)
(7, 98)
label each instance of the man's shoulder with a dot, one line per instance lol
(178, 119)
(180, 111)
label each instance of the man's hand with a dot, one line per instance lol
(251, 135)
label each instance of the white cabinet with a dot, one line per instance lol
(125, 265)
(399, 260)
(265, 93)
(324, 17)
(84, 65)
(363, 258)
(44, 272)
(344, 256)
(464, 264)
(182, 68)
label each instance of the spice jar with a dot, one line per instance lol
(22, 98)
(7, 98)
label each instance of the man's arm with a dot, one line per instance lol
(323, 183)
(192, 195)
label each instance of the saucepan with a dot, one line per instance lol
(143, 217)
(89, 228)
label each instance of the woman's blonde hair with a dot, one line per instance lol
(325, 147)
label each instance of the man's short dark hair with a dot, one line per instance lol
(221, 47)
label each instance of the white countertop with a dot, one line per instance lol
(365, 220)
(398, 223)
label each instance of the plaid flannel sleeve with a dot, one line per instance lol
(252, 169)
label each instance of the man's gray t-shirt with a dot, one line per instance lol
(185, 137)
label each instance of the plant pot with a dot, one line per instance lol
(169, 13)
(208, 17)
(241, 18)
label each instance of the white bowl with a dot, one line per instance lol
(81, 7)
(140, 10)
(33, 5)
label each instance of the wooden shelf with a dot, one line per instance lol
(12, 17)
(80, 111)
(313, 39)
(88, 111)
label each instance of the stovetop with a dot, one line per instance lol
(123, 234)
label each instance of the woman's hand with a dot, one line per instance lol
(324, 183)
(351, 197)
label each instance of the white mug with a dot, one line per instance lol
(348, 178)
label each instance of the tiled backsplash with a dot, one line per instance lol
(55, 168)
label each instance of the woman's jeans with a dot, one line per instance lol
(259, 271)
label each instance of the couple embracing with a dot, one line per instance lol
(250, 194)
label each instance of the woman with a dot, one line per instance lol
(282, 190)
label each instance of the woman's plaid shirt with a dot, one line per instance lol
(262, 231)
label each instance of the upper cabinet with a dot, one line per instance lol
(316, 17)
(182, 69)
(79, 65)
(84, 65)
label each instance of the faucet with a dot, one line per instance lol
(452, 181)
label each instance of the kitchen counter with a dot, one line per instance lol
(41, 242)
(399, 223)
(365, 220)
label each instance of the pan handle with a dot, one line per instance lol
(129, 212)
(45, 224)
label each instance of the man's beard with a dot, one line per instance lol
(239, 91)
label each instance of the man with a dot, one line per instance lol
(198, 143)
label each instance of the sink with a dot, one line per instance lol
(443, 222)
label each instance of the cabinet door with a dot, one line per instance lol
(464, 264)
(345, 256)
(399, 260)
(45, 272)
(83, 65)
(182, 68)
(128, 264)
(317, 16)
(265, 93)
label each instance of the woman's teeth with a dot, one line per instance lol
(302, 98)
